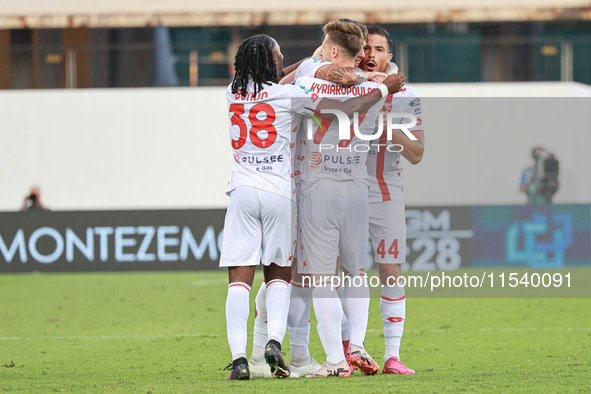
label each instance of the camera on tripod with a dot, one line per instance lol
(546, 174)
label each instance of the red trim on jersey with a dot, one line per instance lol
(381, 157)
(276, 280)
(299, 285)
(239, 284)
(393, 299)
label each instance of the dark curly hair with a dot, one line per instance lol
(254, 61)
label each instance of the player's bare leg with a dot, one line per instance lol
(277, 302)
(393, 309)
(237, 310)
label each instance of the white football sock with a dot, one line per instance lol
(393, 309)
(277, 309)
(345, 333)
(356, 307)
(329, 313)
(237, 309)
(298, 322)
(259, 339)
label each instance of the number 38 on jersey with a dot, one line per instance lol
(261, 117)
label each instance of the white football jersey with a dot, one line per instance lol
(309, 67)
(260, 132)
(385, 167)
(324, 156)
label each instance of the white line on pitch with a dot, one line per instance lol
(418, 331)
(112, 337)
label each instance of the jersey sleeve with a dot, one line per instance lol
(415, 108)
(309, 67)
(408, 103)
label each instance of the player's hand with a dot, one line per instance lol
(395, 82)
(375, 76)
(318, 53)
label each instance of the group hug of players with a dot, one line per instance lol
(311, 198)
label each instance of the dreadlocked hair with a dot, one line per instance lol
(254, 61)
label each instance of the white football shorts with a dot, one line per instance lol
(387, 229)
(333, 221)
(255, 220)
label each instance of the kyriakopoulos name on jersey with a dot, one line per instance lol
(262, 160)
(251, 97)
(324, 88)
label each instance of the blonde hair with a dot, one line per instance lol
(346, 35)
(362, 26)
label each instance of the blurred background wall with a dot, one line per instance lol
(161, 142)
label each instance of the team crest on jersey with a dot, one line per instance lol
(416, 102)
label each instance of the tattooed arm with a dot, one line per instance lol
(347, 76)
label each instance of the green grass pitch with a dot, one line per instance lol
(165, 332)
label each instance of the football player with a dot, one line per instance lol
(387, 224)
(259, 212)
(333, 208)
